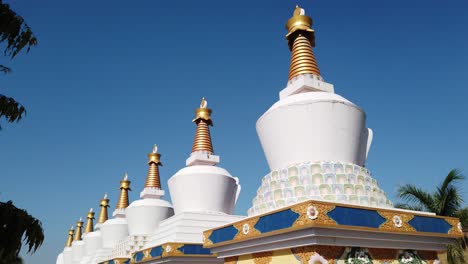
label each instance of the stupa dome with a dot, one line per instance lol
(202, 186)
(144, 215)
(116, 228)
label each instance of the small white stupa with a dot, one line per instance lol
(66, 256)
(115, 229)
(93, 237)
(144, 215)
(211, 188)
(203, 194)
(78, 244)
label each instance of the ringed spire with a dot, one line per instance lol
(89, 223)
(78, 233)
(71, 232)
(103, 215)
(202, 140)
(152, 179)
(301, 40)
(122, 203)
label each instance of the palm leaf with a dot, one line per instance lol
(11, 109)
(416, 197)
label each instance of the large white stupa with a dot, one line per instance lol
(315, 141)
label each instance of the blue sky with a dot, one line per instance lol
(111, 78)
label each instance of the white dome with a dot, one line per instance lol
(144, 215)
(59, 259)
(202, 188)
(313, 126)
(67, 255)
(113, 230)
(77, 251)
(93, 242)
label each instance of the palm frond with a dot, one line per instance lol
(455, 254)
(409, 207)
(11, 109)
(18, 226)
(4, 69)
(416, 197)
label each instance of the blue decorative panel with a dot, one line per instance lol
(138, 256)
(356, 217)
(194, 250)
(430, 224)
(276, 221)
(223, 234)
(156, 251)
(111, 262)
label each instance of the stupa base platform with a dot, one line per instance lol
(324, 232)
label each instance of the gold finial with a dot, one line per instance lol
(152, 179)
(103, 216)
(301, 39)
(79, 226)
(124, 188)
(202, 141)
(70, 237)
(89, 223)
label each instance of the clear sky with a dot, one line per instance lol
(111, 78)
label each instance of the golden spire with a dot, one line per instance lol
(79, 225)
(301, 39)
(202, 141)
(103, 212)
(123, 198)
(70, 237)
(152, 179)
(89, 222)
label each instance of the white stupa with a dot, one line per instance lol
(203, 194)
(78, 244)
(116, 229)
(66, 256)
(315, 141)
(92, 238)
(144, 215)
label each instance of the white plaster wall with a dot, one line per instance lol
(313, 126)
(93, 242)
(203, 188)
(59, 259)
(143, 216)
(67, 255)
(113, 230)
(77, 251)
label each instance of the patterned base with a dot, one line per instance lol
(340, 255)
(322, 181)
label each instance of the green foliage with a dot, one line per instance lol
(16, 227)
(10, 109)
(446, 200)
(17, 36)
(15, 32)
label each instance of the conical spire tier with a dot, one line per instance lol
(202, 140)
(78, 233)
(71, 232)
(152, 179)
(202, 148)
(122, 203)
(304, 73)
(301, 39)
(103, 215)
(89, 222)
